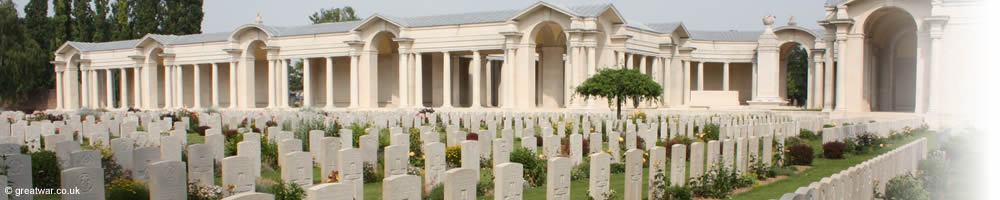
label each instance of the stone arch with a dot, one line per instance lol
(154, 63)
(550, 41)
(384, 67)
(255, 68)
(784, 52)
(890, 59)
(257, 31)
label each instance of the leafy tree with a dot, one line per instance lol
(182, 17)
(617, 85)
(102, 27)
(62, 25)
(333, 15)
(82, 21)
(295, 76)
(23, 65)
(36, 21)
(146, 20)
(122, 19)
(798, 67)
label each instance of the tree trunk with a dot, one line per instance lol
(619, 106)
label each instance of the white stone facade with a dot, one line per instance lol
(874, 55)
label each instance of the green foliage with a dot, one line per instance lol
(834, 150)
(581, 171)
(798, 66)
(358, 130)
(232, 139)
(709, 132)
(620, 84)
(719, 182)
(800, 154)
(485, 184)
(906, 187)
(24, 67)
(126, 189)
(269, 153)
(808, 135)
(534, 167)
(287, 191)
(45, 169)
(333, 15)
(617, 168)
(436, 193)
(372, 173)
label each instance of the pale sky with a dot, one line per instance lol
(225, 15)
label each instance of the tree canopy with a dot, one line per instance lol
(798, 67)
(23, 64)
(619, 84)
(333, 15)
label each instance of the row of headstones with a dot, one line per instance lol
(857, 182)
(880, 129)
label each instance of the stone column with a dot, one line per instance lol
(197, 86)
(828, 77)
(810, 83)
(570, 61)
(489, 82)
(404, 80)
(306, 79)
(180, 86)
(629, 61)
(418, 80)
(109, 101)
(642, 64)
(701, 76)
(60, 105)
(591, 61)
(215, 85)
(329, 82)
(753, 77)
(84, 84)
(284, 83)
(841, 104)
(232, 84)
(168, 86)
(667, 61)
(123, 88)
(354, 80)
(621, 59)
(935, 93)
(137, 85)
(686, 85)
(818, 83)
(509, 63)
(270, 83)
(72, 90)
(725, 76)
(447, 80)
(476, 68)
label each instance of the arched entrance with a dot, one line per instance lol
(890, 60)
(794, 70)
(386, 69)
(550, 47)
(156, 61)
(259, 74)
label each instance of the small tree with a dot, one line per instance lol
(620, 84)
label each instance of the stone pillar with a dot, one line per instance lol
(447, 80)
(418, 80)
(123, 88)
(666, 80)
(215, 85)
(232, 84)
(60, 105)
(168, 86)
(591, 61)
(270, 83)
(686, 86)
(621, 59)
(810, 79)
(197, 86)
(137, 85)
(768, 68)
(509, 65)
(828, 77)
(72, 89)
(629, 61)
(354, 80)
(841, 104)
(476, 68)
(935, 93)
(84, 84)
(725, 76)
(753, 79)
(180, 86)
(306, 79)
(283, 83)
(404, 80)
(329, 82)
(642, 64)
(701, 75)
(109, 96)
(818, 83)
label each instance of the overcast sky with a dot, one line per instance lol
(225, 15)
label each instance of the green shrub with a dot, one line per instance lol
(269, 153)
(232, 139)
(808, 135)
(782, 171)
(710, 132)
(905, 187)
(126, 189)
(834, 150)
(617, 168)
(45, 169)
(719, 182)
(287, 191)
(436, 193)
(534, 167)
(372, 173)
(581, 171)
(800, 154)
(485, 184)
(677, 193)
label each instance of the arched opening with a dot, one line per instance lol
(387, 69)
(259, 73)
(794, 73)
(77, 85)
(550, 47)
(890, 60)
(160, 100)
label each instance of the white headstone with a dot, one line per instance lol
(167, 180)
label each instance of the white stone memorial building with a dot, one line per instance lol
(871, 55)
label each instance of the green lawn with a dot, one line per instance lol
(822, 167)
